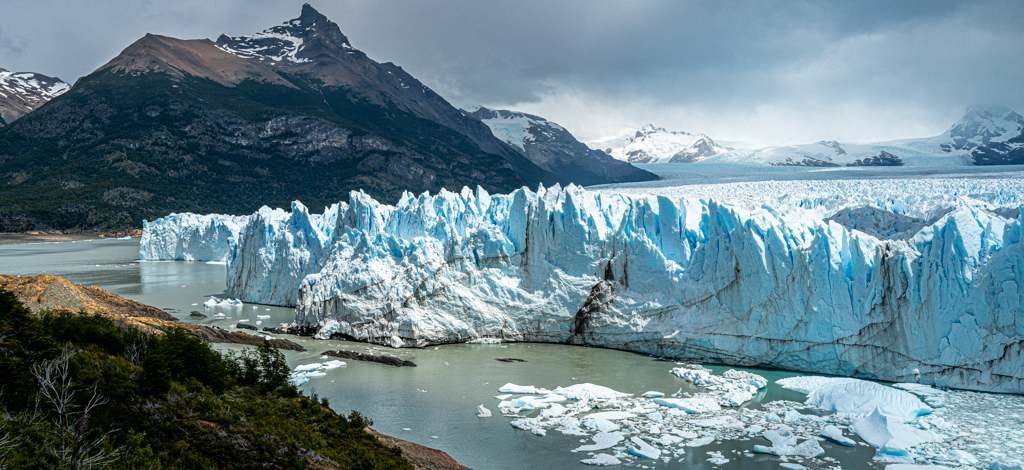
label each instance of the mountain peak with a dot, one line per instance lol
(983, 124)
(22, 92)
(297, 41)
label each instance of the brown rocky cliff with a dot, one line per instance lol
(54, 293)
(421, 457)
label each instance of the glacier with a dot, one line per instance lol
(190, 237)
(669, 275)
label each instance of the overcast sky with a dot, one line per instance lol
(753, 71)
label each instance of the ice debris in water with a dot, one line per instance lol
(634, 427)
(784, 444)
(215, 302)
(483, 412)
(736, 387)
(302, 373)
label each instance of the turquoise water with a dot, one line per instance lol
(433, 404)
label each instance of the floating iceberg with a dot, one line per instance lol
(302, 373)
(676, 277)
(892, 437)
(227, 303)
(857, 398)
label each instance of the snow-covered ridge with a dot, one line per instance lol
(275, 45)
(512, 127)
(32, 86)
(684, 278)
(652, 144)
(984, 124)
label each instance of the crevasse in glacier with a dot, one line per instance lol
(684, 278)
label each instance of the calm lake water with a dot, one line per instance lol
(433, 404)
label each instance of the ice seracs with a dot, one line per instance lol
(670, 276)
(190, 237)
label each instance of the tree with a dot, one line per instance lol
(77, 448)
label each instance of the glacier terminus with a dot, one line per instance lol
(751, 284)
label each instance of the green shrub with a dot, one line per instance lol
(175, 404)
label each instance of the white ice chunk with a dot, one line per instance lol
(586, 391)
(834, 434)
(856, 398)
(602, 440)
(643, 449)
(884, 431)
(700, 441)
(601, 460)
(483, 412)
(522, 389)
(690, 405)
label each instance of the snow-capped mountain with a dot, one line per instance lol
(22, 92)
(553, 148)
(994, 135)
(651, 144)
(983, 136)
(292, 112)
(982, 125)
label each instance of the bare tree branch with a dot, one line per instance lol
(78, 449)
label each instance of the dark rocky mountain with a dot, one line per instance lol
(23, 92)
(554, 149)
(294, 112)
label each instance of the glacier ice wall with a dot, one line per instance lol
(278, 250)
(685, 278)
(190, 237)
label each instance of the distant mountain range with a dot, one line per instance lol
(23, 92)
(293, 112)
(651, 144)
(985, 135)
(554, 149)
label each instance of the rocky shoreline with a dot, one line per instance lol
(54, 236)
(54, 293)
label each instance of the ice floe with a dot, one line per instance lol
(302, 373)
(228, 303)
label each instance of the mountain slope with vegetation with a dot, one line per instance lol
(172, 125)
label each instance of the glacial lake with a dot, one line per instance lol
(434, 404)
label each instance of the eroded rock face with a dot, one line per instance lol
(688, 279)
